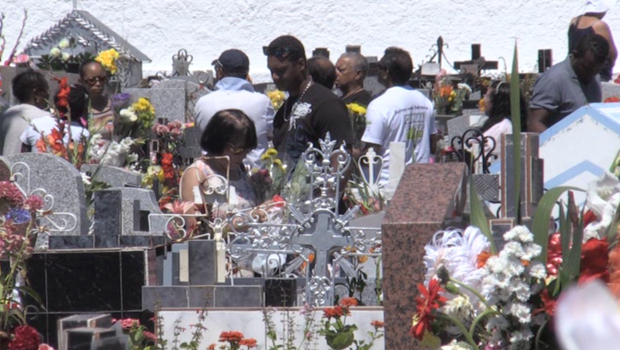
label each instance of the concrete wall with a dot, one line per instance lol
(206, 27)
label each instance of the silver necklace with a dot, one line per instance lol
(286, 119)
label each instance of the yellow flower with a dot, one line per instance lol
(278, 163)
(108, 60)
(265, 156)
(271, 152)
(144, 105)
(355, 108)
(277, 97)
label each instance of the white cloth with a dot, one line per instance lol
(13, 122)
(400, 114)
(239, 94)
(44, 126)
(503, 127)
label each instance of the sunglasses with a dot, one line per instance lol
(279, 52)
(94, 80)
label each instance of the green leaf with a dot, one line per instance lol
(515, 113)
(540, 225)
(477, 216)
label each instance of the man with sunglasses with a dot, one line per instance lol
(234, 91)
(311, 110)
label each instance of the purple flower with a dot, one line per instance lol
(121, 100)
(19, 216)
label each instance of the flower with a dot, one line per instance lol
(429, 300)
(62, 97)
(166, 164)
(128, 114)
(66, 56)
(121, 100)
(211, 346)
(348, 302)
(64, 43)
(21, 59)
(231, 337)
(108, 60)
(459, 307)
(128, 323)
(454, 345)
(19, 216)
(277, 98)
(594, 260)
(25, 338)
(250, 343)
(45, 347)
(356, 108)
(612, 99)
(377, 324)
(333, 312)
(55, 52)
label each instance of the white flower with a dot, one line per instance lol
(127, 142)
(132, 158)
(512, 249)
(537, 270)
(603, 199)
(519, 233)
(498, 322)
(85, 179)
(464, 86)
(531, 250)
(65, 56)
(521, 311)
(459, 307)
(497, 264)
(454, 345)
(64, 43)
(55, 52)
(128, 114)
(520, 289)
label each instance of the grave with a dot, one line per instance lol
(429, 197)
(112, 176)
(60, 185)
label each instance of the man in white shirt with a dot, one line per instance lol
(400, 114)
(234, 91)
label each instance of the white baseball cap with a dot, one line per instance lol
(598, 6)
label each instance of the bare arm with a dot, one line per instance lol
(536, 120)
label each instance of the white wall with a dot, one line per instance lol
(160, 28)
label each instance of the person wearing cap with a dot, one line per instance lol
(234, 91)
(591, 22)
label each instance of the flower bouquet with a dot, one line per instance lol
(357, 114)
(277, 98)
(449, 100)
(271, 178)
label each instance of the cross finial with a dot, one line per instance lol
(75, 4)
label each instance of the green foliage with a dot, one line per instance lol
(477, 216)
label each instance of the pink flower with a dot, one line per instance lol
(150, 336)
(128, 323)
(160, 129)
(45, 347)
(34, 203)
(23, 58)
(175, 124)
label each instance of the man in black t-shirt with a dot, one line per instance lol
(351, 69)
(311, 111)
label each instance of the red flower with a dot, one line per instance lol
(333, 312)
(348, 302)
(588, 218)
(211, 347)
(166, 165)
(594, 260)
(26, 338)
(612, 99)
(231, 337)
(426, 303)
(34, 203)
(250, 343)
(63, 92)
(128, 323)
(377, 324)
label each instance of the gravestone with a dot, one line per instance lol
(458, 125)
(430, 197)
(60, 185)
(112, 176)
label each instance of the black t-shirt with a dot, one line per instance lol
(319, 112)
(361, 97)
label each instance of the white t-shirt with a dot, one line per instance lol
(503, 127)
(13, 122)
(400, 114)
(239, 94)
(44, 126)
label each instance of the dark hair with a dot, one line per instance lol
(322, 71)
(228, 126)
(360, 63)
(78, 103)
(25, 84)
(500, 106)
(595, 43)
(398, 63)
(286, 47)
(88, 63)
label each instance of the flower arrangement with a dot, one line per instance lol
(108, 60)
(135, 120)
(449, 100)
(338, 334)
(18, 231)
(271, 178)
(277, 98)
(61, 57)
(357, 114)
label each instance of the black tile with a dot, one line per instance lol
(238, 296)
(133, 277)
(202, 258)
(108, 208)
(106, 241)
(83, 282)
(71, 242)
(140, 241)
(201, 296)
(280, 292)
(164, 296)
(35, 266)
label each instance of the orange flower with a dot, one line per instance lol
(377, 324)
(63, 92)
(429, 300)
(166, 165)
(231, 337)
(334, 312)
(250, 343)
(482, 258)
(211, 347)
(445, 91)
(348, 302)
(612, 99)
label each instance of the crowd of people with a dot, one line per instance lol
(238, 124)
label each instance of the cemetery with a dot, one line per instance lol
(506, 242)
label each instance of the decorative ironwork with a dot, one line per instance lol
(369, 166)
(470, 148)
(180, 63)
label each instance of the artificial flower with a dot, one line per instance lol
(25, 338)
(64, 43)
(55, 52)
(429, 300)
(66, 56)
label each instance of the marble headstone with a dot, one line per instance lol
(429, 197)
(47, 174)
